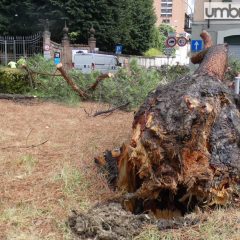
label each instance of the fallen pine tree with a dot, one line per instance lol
(185, 146)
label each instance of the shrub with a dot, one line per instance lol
(13, 81)
(178, 70)
(153, 52)
(50, 87)
(233, 70)
(128, 85)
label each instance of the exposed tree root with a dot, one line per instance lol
(185, 146)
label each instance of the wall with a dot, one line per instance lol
(182, 58)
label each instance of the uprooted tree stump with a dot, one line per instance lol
(185, 146)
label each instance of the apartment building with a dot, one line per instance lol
(223, 27)
(171, 12)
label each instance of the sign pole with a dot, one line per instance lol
(237, 85)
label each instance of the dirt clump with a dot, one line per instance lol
(109, 221)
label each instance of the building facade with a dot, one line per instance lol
(171, 12)
(224, 30)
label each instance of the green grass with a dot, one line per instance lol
(20, 214)
(72, 179)
(19, 218)
(74, 188)
(28, 162)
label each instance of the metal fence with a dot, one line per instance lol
(12, 48)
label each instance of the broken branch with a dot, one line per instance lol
(98, 113)
(99, 79)
(71, 83)
(15, 97)
(31, 146)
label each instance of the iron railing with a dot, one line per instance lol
(14, 47)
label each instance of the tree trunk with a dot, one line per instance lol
(185, 146)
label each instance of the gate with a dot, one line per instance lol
(12, 48)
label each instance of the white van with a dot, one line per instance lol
(87, 62)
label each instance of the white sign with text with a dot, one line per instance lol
(222, 10)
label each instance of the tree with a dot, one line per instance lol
(143, 20)
(127, 22)
(17, 18)
(185, 144)
(159, 36)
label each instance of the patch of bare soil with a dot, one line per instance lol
(46, 159)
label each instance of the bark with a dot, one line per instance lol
(213, 59)
(71, 83)
(15, 97)
(99, 79)
(214, 62)
(185, 145)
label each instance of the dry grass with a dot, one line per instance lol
(40, 186)
(219, 225)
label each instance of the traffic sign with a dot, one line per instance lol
(171, 34)
(171, 42)
(118, 49)
(168, 51)
(196, 45)
(47, 55)
(182, 41)
(46, 47)
(57, 58)
(182, 34)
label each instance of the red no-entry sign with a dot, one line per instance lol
(182, 41)
(171, 41)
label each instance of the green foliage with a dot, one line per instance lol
(128, 85)
(159, 36)
(153, 52)
(129, 22)
(178, 70)
(233, 70)
(143, 19)
(13, 80)
(50, 87)
(158, 39)
(73, 36)
(18, 17)
(165, 29)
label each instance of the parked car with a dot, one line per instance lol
(87, 62)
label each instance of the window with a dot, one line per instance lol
(165, 21)
(166, 14)
(166, 5)
(165, 10)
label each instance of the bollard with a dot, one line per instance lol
(237, 84)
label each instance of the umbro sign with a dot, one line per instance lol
(220, 10)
